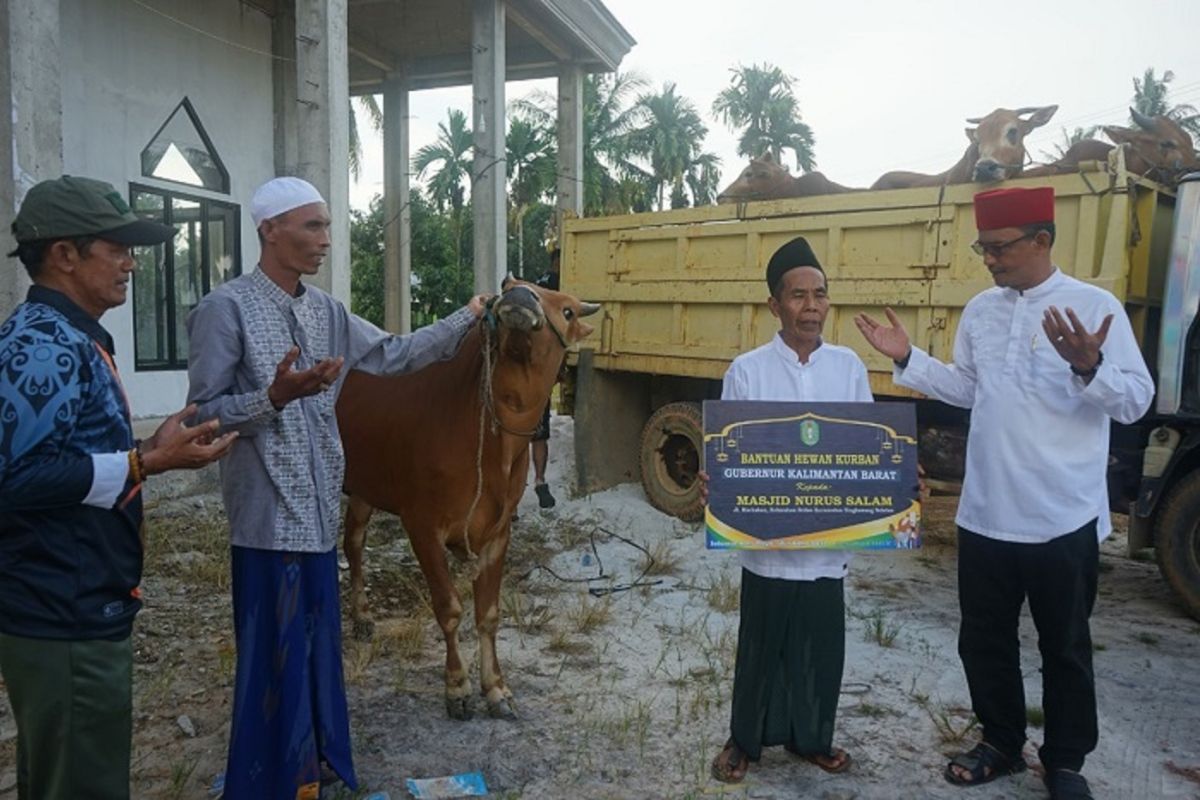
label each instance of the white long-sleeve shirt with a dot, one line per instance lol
(773, 372)
(1037, 450)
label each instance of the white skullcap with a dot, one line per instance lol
(279, 196)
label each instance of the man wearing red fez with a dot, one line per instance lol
(1043, 361)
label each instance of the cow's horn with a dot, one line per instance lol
(1144, 122)
(975, 120)
(587, 309)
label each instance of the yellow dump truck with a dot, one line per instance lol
(684, 293)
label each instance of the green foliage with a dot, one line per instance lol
(440, 284)
(1150, 97)
(760, 102)
(366, 262)
(672, 142)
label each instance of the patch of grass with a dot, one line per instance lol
(357, 658)
(879, 630)
(1145, 554)
(181, 773)
(1099, 647)
(660, 560)
(723, 594)
(1146, 638)
(403, 637)
(1035, 716)
(561, 642)
(865, 709)
(226, 662)
(526, 614)
(949, 723)
(590, 613)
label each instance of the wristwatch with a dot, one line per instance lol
(1089, 373)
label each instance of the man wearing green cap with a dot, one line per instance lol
(70, 493)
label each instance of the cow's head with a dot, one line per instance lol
(541, 316)
(1000, 139)
(1158, 142)
(762, 179)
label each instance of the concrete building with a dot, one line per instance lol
(187, 106)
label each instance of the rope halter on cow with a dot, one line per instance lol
(488, 325)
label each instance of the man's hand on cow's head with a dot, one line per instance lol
(478, 304)
(291, 383)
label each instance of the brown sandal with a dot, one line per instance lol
(837, 760)
(731, 764)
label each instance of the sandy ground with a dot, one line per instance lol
(626, 695)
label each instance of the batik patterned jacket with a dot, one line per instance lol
(70, 555)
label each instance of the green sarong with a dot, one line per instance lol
(73, 705)
(791, 650)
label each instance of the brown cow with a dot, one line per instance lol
(447, 449)
(996, 151)
(1158, 149)
(765, 179)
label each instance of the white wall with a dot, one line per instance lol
(125, 69)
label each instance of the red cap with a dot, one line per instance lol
(1013, 208)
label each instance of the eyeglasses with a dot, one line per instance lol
(996, 249)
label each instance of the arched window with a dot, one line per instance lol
(171, 279)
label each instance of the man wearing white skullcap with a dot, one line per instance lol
(268, 355)
(279, 196)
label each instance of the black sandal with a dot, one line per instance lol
(1065, 784)
(984, 764)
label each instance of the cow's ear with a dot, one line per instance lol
(970, 133)
(767, 157)
(1041, 116)
(507, 282)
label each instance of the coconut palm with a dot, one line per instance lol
(670, 140)
(531, 172)
(452, 151)
(1150, 98)
(613, 182)
(447, 186)
(370, 107)
(760, 102)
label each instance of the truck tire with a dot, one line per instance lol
(1177, 541)
(672, 442)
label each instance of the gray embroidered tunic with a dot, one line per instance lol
(282, 480)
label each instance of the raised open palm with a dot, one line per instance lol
(891, 340)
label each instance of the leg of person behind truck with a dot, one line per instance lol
(539, 451)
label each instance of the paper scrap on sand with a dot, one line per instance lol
(468, 784)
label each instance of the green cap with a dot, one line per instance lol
(68, 207)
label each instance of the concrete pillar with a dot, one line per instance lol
(570, 142)
(31, 147)
(323, 125)
(283, 78)
(489, 185)
(397, 219)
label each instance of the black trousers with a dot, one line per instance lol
(1059, 579)
(790, 655)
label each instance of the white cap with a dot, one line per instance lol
(279, 196)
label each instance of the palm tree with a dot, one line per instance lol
(613, 182)
(531, 172)
(671, 140)
(370, 105)
(760, 102)
(1150, 98)
(447, 186)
